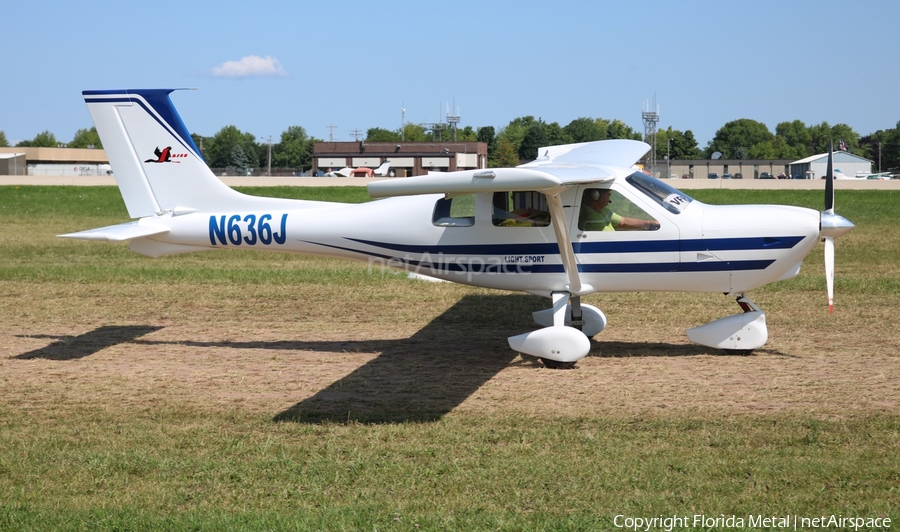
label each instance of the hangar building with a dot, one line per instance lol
(812, 167)
(55, 161)
(815, 166)
(407, 158)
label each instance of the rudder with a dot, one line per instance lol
(157, 165)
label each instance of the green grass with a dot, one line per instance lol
(178, 470)
(69, 462)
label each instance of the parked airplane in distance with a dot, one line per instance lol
(382, 171)
(880, 176)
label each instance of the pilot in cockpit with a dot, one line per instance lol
(597, 215)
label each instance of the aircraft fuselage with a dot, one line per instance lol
(700, 248)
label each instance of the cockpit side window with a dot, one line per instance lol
(458, 211)
(520, 209)
(603, 209)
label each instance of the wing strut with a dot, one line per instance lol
(566, 253)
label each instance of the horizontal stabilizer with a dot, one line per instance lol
(119, 233)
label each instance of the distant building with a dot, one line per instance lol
(418, 158)
(815, 166)
(407, 158)
(812, 167)
(701, 168)
(12, 164)
(55, 161)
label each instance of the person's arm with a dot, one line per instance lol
(636, 224)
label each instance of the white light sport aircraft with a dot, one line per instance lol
(540, 228)
(381, 171)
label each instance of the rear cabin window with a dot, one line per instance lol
(520, 209)
(458, 211)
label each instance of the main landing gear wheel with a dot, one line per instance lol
(559, 345)
(555, 364)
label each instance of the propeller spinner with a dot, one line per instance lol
(831, 226)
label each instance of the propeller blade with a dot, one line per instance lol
(829, 179)
(829, 271)
(831, 226)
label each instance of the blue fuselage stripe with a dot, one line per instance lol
(457, 258)
(634, 246)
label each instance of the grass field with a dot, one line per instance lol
(233, 390)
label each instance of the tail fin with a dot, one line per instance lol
(383, 170)
(157, 165)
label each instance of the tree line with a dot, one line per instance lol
(520, 139)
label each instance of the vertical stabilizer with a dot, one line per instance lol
(156, 163)
(383, 170)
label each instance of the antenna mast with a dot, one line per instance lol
(453, 119)
(650, 114)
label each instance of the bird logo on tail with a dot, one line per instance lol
(162, 156)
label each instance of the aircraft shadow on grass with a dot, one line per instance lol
(420, 378)
(83, 345)
(425, 376)
(415, 379)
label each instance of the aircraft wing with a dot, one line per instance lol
(545, 178)
(617, 152)
(558, 166)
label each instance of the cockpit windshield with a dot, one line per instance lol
(668, 196)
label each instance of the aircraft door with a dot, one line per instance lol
(622, 240)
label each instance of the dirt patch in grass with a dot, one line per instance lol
(436, 350)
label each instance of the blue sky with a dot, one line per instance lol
(267, 65)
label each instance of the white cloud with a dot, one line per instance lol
(252, 65)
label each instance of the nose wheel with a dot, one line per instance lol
(742, 332)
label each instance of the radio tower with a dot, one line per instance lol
(453, 119)
(650, 114)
